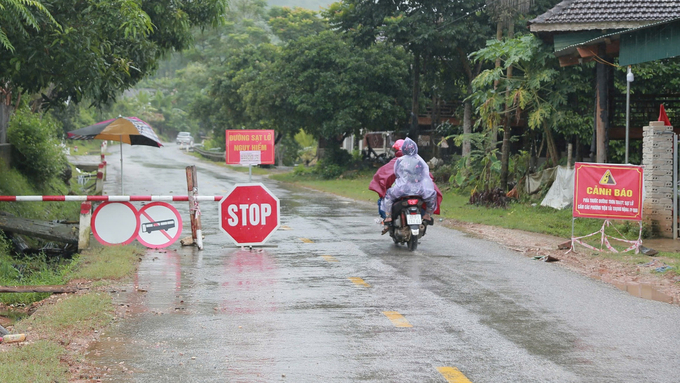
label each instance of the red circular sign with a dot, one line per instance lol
(249, 214)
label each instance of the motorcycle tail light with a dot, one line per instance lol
(413, 202)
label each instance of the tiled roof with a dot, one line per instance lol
(597, 11)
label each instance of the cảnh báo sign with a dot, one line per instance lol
(608, 191)
(249, 147)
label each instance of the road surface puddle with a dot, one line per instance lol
(643, 290)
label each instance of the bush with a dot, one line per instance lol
(443, 173)
(489, 198)
(329, 171)
(36, 151)
(291, 150)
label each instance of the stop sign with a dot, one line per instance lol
(249, 214)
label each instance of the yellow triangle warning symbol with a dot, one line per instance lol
(607, 179)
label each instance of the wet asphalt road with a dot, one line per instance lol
(333, 301)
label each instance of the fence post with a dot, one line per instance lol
(84, 228)
(103, 147)
(100, 169)
(99, 184)
(194, 211)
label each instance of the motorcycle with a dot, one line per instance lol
(407, 224)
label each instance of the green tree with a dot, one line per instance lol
(330, 88)
(536, 88)
(98, 49)
(16, 15)
(429, 30)
(289, 24)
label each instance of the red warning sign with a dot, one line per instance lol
(608, 191)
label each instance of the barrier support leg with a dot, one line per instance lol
(194, 211)
(84, 228)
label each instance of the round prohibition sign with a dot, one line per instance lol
(115, 223)
(160, 225)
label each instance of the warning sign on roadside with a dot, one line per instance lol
(160, 225)
(249, 147)
(608, 191)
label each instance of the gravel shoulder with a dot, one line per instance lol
(638, 280)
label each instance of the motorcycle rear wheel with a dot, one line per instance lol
(413, 243)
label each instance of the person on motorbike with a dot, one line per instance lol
(384, 177)
(412, 179)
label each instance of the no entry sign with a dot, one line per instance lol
(607, 191)
(250, 147)
(249, 214)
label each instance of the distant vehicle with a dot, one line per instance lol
(184, 138)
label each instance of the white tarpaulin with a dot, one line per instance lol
(536, 181)
(561, 193)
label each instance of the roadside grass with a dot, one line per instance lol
(58, 322)
(64, 319)
(68, 317)
(32, 271)
(85, 147)
(257, 170)
(455, 206)
(106, 262)
(37, 362)
(14, 183)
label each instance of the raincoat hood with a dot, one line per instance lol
(409, 148)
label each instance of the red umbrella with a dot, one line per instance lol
(129, 130)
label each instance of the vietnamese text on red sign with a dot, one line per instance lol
(607, 191)
(238, 141)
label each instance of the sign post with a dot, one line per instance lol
(249, 147)
(249, 214)
(607, 191)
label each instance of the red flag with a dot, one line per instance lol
(663, 116)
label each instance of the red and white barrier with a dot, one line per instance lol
(104, 198)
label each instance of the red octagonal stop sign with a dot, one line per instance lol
(249, 214)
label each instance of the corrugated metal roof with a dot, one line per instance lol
(597, 11)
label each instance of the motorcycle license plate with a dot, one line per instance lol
(413, 219)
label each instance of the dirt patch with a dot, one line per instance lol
(638, 280)
(76, 343)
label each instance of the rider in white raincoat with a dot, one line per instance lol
(413, 179)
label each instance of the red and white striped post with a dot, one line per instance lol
(99, 184)
(86, 207)
(84, 228)
(106, 198)
(103, 159)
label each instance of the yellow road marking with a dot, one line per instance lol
(359, 281)
(329, 258)
(453, 375)
(306, 240)
(397, 319)
(284, 227)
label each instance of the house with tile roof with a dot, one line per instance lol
(600, 30)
